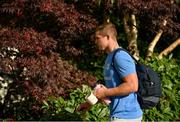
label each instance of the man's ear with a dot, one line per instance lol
(107, 37)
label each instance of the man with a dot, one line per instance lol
(122, 82)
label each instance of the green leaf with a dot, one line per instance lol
(61, 100)
(70, 110)
(103, 113)
(45, 105)
(160, 115)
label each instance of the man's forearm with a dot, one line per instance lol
(122, 90)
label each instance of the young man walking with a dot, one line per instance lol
(121, 80)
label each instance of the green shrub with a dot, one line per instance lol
(61, 109)
(168, 108)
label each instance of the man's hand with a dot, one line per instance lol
(100, 93)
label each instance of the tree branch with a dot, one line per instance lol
(151, 46)
(169, 49)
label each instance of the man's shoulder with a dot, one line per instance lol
(122, 55)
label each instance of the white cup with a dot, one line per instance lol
(91, 99)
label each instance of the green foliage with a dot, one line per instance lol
(62, 109)
(169, 108)
(98, 112)
(98, 68)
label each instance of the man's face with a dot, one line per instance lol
(101, 41)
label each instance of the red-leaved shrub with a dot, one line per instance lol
(27, 58)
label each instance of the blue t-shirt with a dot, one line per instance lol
(124, 107)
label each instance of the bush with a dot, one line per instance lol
(167, 109)
(65, 109)
(30, 69)
(31, 34)
(70, 28)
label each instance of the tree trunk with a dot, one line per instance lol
(151, 46)
(131, 32)
(169, 49)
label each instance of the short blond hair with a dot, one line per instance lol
(107, 29)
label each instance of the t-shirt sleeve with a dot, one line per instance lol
(124, 64)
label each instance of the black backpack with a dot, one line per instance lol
(149, 84)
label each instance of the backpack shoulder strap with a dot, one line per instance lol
(121, 49)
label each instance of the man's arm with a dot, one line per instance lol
(129, 85)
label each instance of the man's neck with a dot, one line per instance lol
(114, 45)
